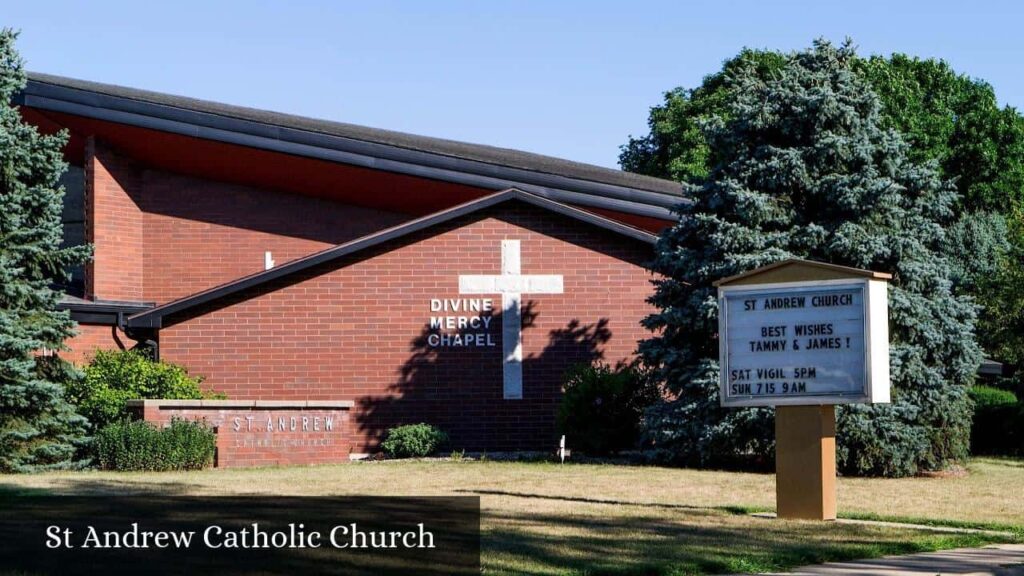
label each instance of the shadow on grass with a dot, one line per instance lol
(584, 535)
(625, 537)
(611, 502)
(84, 487)
(687, 542)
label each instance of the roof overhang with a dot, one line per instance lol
(153, 319)
(994, 369)
(654, 199)
(104, 313)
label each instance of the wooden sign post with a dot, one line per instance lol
(804, 336)
(805, 462)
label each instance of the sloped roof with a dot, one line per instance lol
(154, 318)
(474, 164)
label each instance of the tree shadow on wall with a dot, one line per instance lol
(460, 387)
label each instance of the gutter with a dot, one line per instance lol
(102, 313)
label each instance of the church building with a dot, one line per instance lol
(333, 280)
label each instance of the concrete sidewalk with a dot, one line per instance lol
(998, 560)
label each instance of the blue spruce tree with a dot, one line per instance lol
(38, 428)
(805, 169)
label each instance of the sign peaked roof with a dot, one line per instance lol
(784, 270)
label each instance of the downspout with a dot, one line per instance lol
(146, 338)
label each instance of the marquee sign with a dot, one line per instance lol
(816, 342)
(803, 336)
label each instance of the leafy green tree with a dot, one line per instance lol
(676, 148)
(944, 116)
(38, 428)
(804, 168)
(955, 120)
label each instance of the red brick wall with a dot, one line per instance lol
(91, 338)
(113, 225)
(356, 330)
(201, 233)
(159, 236)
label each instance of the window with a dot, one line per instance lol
(73, 220)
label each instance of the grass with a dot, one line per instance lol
(542, 518)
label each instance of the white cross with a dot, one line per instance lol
(511, 284)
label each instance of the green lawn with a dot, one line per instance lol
(541, 518)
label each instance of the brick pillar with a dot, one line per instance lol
(113, 225)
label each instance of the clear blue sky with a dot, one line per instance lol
(569, 79)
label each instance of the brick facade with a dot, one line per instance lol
(357, 329)
(201, 233)
(113, 225)
(91, 338)
(158, 236)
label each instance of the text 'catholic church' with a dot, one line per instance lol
(334, 281)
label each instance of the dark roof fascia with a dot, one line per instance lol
(46, 93)
(991, 367)
(154, 318)
(103, 313)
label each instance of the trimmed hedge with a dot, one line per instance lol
(414, 441)
(987, 397)
(141, 446)
(998, 426)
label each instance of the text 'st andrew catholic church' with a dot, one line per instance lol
(333, 280)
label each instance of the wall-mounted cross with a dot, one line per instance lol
(511, 284)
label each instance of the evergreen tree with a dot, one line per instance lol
(1005, 301)
(943, 115)
(38, 428)
(804, 168)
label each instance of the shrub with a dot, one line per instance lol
(414, 441)
(138, 445)
(998, 426)
(988, 397)
(602, 407)
(114, 377)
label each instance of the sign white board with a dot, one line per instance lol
(804, 343)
